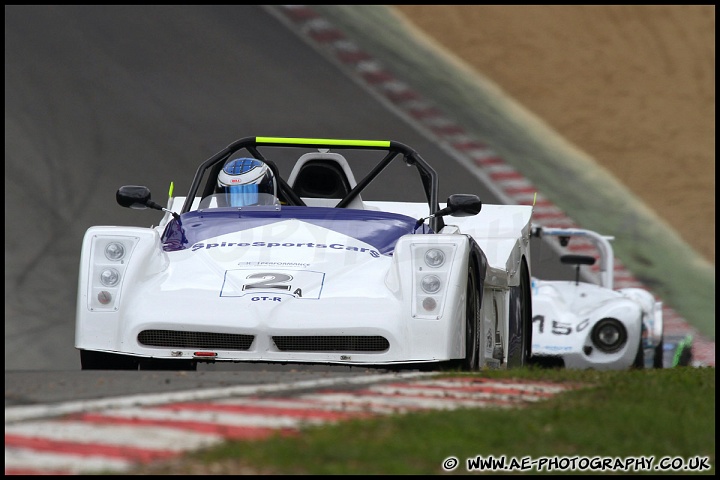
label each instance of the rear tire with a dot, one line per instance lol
(520, 317)
(527, 315)
(639, 361)
(659, 355)
(90, 360)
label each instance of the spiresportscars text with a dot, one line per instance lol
(332, 246)
(581, 463)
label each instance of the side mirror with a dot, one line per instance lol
(138, 198)
(463, 205)
(134, 196)
(458, 205)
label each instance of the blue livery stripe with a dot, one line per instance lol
(378, 229)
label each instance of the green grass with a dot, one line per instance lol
(658, 413)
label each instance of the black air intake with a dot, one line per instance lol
(348, 344)
(199, 340)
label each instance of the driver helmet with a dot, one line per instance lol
(247, 181)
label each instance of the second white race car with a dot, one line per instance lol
(589, 324)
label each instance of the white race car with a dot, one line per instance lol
(319, 275)
(580, 324)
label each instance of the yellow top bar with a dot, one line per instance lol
(324, 141)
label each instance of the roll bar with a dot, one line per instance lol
(601, 242)
(411, 157)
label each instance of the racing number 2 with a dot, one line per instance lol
(272, 281)
(560, 328)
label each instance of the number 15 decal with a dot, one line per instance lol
(560, 328)
(296, 283)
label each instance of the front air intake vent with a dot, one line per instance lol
(332, 344)
(199, 340)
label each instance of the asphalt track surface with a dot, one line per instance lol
(97, 97)
(102, 96)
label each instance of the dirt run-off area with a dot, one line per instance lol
(633, 86)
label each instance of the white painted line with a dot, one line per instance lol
(458, 395)
(297, 404)
(28, 459)
(210, 417)
(399, 404)
(136, 436)
(19, 413)
(471, 383)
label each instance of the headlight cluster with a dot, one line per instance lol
(109, 260)
(109, 277)
(609, 335)
(431, 270)
(430, 283)
(115, 251)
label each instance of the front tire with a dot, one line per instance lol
(90, 360)
(471, 362)
(165, 364)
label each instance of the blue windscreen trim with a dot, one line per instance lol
(379, 229)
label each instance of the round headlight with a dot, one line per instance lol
(114, 251)
(430, 283)
(104, 297)
(609, 335)
(109, 277)
(434, 258)
(429, 304)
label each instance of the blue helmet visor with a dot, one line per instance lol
(242, 195)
